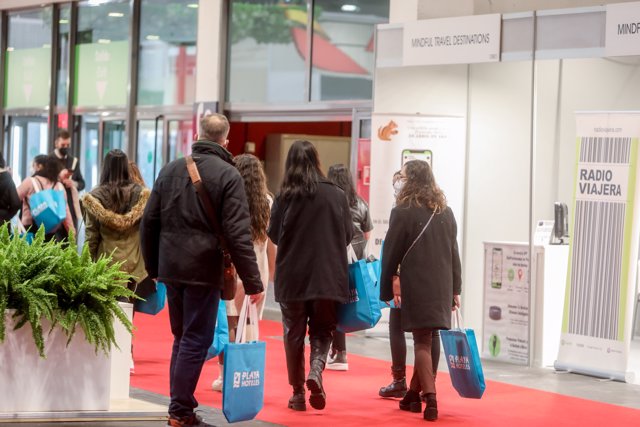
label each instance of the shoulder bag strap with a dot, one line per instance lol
(37, 187)
(418, 238)
(206, 202)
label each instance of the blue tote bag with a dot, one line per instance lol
(463, 359)
(154, 302)
(48, 207)
(221, 334)
(362, 311)
(244, 367)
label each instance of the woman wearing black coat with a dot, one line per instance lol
(9, 200)
(421, 272)
(311, 225)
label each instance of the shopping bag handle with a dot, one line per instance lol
(456, 319)
(351, 255)
(248, 311)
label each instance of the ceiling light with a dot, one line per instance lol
(63, 21)
(152, 37)
(46, 45)
(104, 41)
(10, 49)
(349, 8)
(116, 14)
(193, 5)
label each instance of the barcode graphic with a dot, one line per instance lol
(598, 238)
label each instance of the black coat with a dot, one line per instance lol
(178, 241)
(431, 273)
(10, 203)
(73, 164)
(312, 235)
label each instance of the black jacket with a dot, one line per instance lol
(10, 203)
(178, 241)
(430, 274)
(312, 235)
(73, 164)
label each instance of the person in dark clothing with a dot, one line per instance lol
(397, 341)
(180, 248)
(311, 226)
(9, 200)
(71, 176)
(421, 272)
(339, 174)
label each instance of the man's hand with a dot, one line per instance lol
(256, 298)
(397, 300)
(68, 183)
(456, 302)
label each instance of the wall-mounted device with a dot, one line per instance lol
(560, 235)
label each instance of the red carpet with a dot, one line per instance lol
(352, 396)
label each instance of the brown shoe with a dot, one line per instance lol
(192, 420)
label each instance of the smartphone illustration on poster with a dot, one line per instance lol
(424, 155)
(496, 268)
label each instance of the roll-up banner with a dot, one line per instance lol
(601, 285)
(398, 138)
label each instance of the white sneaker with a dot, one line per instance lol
(217, 383)
(338, 362)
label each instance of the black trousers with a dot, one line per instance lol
(192, 313)
(399, 344)
(339, 341)
(321, 316)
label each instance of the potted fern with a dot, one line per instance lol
(57, 313)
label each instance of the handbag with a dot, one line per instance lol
(230, 277)
(362, 311)
(463, 359)
(221, 333)
(48, 207)
(154, 302)
(244, 368)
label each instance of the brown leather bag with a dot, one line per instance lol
(230, 276)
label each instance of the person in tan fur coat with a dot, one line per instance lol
(113, 211)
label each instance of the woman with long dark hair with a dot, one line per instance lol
(260, 201)
(45, 177)
(340, 175)
(421, 272)
(113, 211)
(311, 225)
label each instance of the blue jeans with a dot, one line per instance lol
(192, 313)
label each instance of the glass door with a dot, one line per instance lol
(27, 136)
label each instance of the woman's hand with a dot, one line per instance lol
(456, 303)
(396, 291)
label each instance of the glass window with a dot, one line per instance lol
(28, 59)
(342, 48)
(102, 53)
(266, 51)
(64, 26)
(168, 31)
(150, 153)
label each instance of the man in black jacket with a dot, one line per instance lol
(181, 249)
(71, 176)
(10, 203)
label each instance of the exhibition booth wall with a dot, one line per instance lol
(520, 134)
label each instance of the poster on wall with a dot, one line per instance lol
(604, 237)
(505, 331)
(398, 138)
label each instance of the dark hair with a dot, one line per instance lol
(2, 162)
(51, 167)
(135, 175)
(421, 188)
(115, 176)
(255, 186)
(63, 134)
(214, 127)
(339, 174)
(302, 171)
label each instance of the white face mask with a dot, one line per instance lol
(397, 187)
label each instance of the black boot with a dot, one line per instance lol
(411, 402)
(319, 351)
(297, 402)
(431, 411)
(398, 387)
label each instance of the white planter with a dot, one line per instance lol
(121, 358)
(72, 378)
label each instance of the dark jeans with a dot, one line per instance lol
(339, 341)
(321, 315)
(192, 312)
(399, 344)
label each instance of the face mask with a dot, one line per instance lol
(397, 187)
(64, 151)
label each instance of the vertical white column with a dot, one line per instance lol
(210, 50)
(403, 11)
